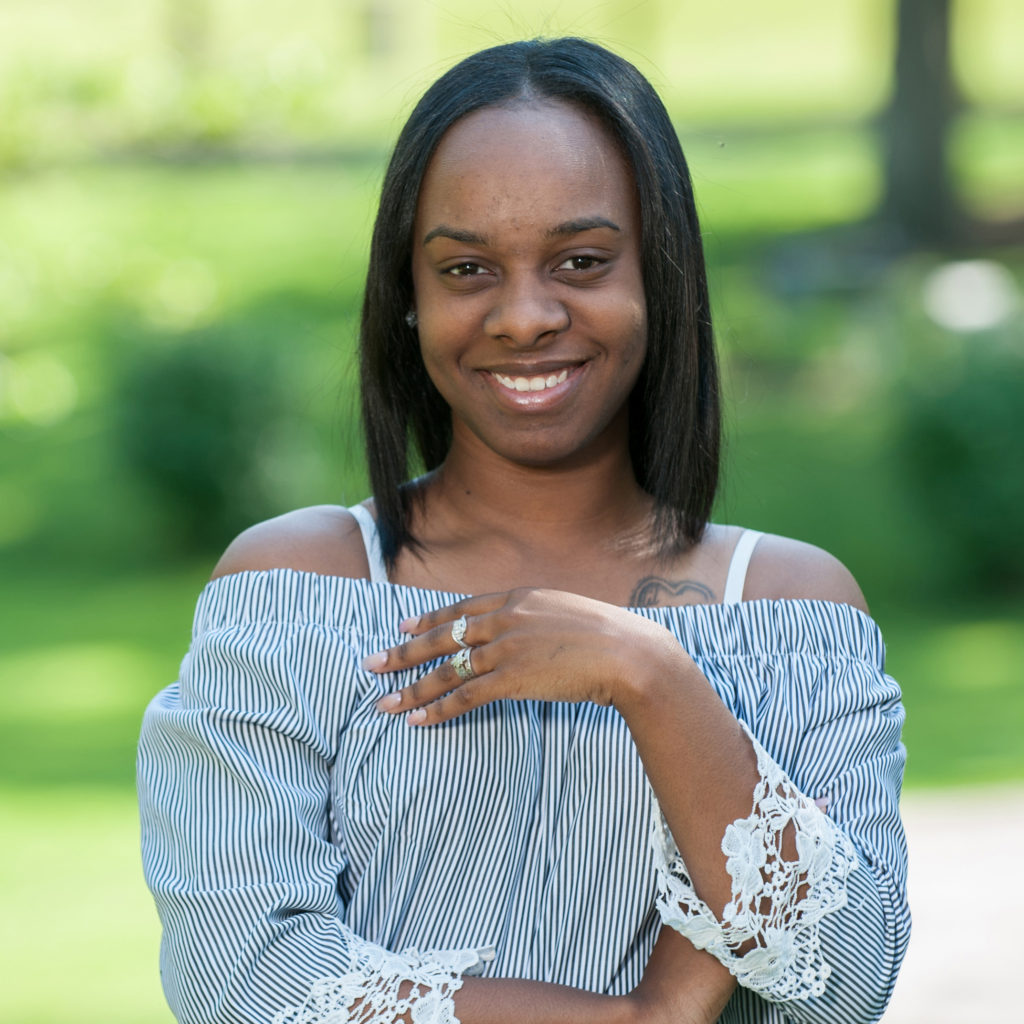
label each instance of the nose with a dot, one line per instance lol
(526, 313)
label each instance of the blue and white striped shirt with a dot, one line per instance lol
(288, 827)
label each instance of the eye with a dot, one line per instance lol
(464, 270)
(580, 263)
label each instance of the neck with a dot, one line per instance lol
(589, 499)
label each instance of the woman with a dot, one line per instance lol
(648, 770)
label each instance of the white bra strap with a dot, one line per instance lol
(737, 575)
(371, 541)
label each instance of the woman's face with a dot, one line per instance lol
(528, 284)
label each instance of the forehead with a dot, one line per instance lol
(541, 161)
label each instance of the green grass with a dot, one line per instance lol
(963, 694)
(80, 937)
(80, 659)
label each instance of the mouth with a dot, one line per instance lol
(540, 382)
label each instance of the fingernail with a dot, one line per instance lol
(389, 702)
(822, 802)
(408, 625)
(373, 662)
(417, 717)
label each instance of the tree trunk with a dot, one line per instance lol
(920, 198)
(187, 24)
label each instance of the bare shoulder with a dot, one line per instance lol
(785, 568)
(323, 539)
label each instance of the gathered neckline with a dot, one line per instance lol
(456, 595)
(295, 597)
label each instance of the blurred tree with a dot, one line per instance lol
(188, 32)
(381, 28)
(194, 419)
(920, 198)
(955, 440)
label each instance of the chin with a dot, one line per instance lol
(549, 454)
(559, 445)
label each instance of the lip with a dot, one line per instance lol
(567, 376)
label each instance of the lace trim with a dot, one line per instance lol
(369, 991)
(766, 907)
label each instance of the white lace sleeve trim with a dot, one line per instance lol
(786, 961)
(369, 991)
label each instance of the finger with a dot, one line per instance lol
(466, 697)
(468, 606)
(406, 654)
(438, 642)
(426, 689)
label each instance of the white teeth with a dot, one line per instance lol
(531, 383)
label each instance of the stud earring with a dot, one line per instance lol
(410, 318)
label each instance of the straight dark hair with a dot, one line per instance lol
(674, 409)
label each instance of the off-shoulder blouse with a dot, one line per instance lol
(308, 854)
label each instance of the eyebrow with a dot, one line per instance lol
(577, 227)
(566, 228)
(456, 234)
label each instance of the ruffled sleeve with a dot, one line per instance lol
(823, 933)
(238, 844)
(379, 987)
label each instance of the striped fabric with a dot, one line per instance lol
(282, 816)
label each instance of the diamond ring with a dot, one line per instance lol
(459, 631)
(463, 664)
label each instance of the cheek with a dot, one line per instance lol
(440, 353)
(635, 330)
(431, 358)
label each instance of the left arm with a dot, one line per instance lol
(666, 697)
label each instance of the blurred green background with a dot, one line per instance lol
(186, 191)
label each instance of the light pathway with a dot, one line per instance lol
(965, 963)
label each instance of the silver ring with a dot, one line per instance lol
(462, 662)
(459, 631)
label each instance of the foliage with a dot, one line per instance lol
(960, 440)
(107, 269)
(210, 421)
(193, 418)
(189, 75)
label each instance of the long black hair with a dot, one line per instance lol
(674, 415)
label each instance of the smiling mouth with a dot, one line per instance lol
(538, 383)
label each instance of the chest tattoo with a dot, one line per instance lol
(651, 591)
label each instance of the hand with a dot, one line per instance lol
(526, 644)
(681, 984)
